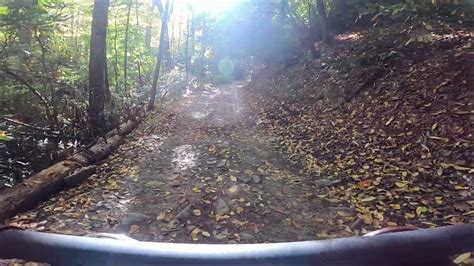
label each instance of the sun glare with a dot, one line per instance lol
(209, 6)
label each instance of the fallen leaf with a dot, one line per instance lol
(134, 229)
(161, 216)
(278, 209)
(462, 258)
(195, 233)
(367, 199)
(420, 210)
(389, 121)
(401, 184)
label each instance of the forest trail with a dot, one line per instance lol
(198, 170)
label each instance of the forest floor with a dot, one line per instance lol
(199, 169)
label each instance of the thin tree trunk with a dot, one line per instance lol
(203, 53)
(140, 79)
(97, 66)
(166, 52)
(323, 20)
(193, 35)
(116, 52)
(125, 57)
(54, 119)
(186, 56)
(180, 30)
(159, 56)
(72, 29)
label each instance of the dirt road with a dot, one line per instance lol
(197, 170)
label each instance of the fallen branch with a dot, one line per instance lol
(66, 173)
(43, 129)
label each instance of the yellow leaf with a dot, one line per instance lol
(395, 206)
(197, 212)
(367, 218)
(457, 167)
(219, 217)
(161, 216)
(134, 229)
(420, 210)
(195, 233)
(239, 210)
(369, 198)
(233, 178)
(196, 189)
(206, 234)
(439, 171)
(468, 213)
(429, 224)
(400, 184)
(409, 215)
(462, 258)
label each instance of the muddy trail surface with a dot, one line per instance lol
(200, 169)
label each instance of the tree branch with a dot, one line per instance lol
(43, 129)
(24, 83)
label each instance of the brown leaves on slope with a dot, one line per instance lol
(400, 154)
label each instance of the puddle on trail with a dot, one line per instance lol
(184, 157)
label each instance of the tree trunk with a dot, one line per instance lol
(97, 66)
(166, 52)
(186, 56)
(140, 79)
(159, 56)
(193, 35)
(116, 53)
(323, 20)
(125, 56)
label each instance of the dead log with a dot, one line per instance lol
(58, 176)
(79, 175)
